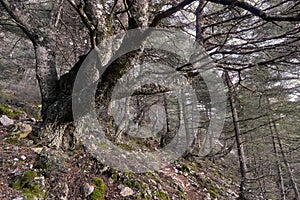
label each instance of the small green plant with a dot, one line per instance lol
(29, 187)
(99, 192)
(162, 195)
(115, 176)
(182, 195)
(6, 111)
(103, 145)
(129, 183)
(127, 173)
(213, 193)
(125, 147)
(12, 139)
(150, 174)
(144, 195)
(42, 163)
(185, 168)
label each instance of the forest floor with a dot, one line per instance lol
(65, 174)
(29, 170)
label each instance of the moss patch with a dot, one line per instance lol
(185, 168)
(213, 193)
(6, 111)
(12, 139)
(29, 186)
(125, 147)
(182, 195)
(162, 195)
(99, 192)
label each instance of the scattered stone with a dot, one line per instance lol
(23, 157)
(120, 187)
(25, 130)
(32, 119)
(87, 189)
(207, 197)
(105, 169)
(37, 150)
(232, 193)
(28, 143)
(64, 191)
(40, 181)
(6, 121)
(111, 181)
(16, 172)
(19, 198)
(126, 191)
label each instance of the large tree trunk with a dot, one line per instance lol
(46, 75)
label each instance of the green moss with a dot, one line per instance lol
(103, 145)
(150, 174)
(209, 181)
(115, 176)
(162, 195)
(13, 139)
(6, 111)
(129, 183)
(42, 163)
(215, 172)
(125, 147)
(28, 193)
(141, 186)
(185, 168)
(182, 195)
(222, 188)
(127, 173)
(213, 193)
(144, 195)
(29, 187)
(99, 192)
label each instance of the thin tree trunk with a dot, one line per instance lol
(240, 148)
(286, 163)
(256, 171)
(280, 182)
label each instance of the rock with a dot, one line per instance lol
(37, 150)
(111, 181)
(232, 193)
(6, 121)
(207, 197)
(126, 191)
(40, 181)
(121, 187)
(64, 191)
(25, 130)
(19, 198)
(87, 189)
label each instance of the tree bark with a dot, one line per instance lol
(240, 148)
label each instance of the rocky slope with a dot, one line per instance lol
(29, 170)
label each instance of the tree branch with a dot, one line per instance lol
(256, 11)
(88, 24)
(16, 15)
(169, 12)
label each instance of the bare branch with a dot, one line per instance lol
(169, 12)
(256, 11)
(16, 15)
